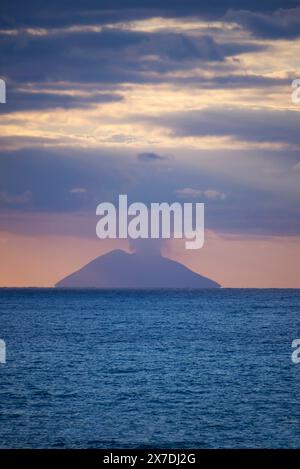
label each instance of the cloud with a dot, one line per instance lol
(15, 199)
(109, 56)
(78, 190)
(38, 100)
(253, 125)
(189, 192)
(281, 24)
(212, 194)
(149, 156)
(63, 13)
(209, 194)
(230, 81)
(147, 247)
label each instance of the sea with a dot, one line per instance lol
(149, 369)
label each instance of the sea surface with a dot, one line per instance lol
(142, 369)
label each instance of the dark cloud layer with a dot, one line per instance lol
(255, 125)
(282, 24)
(64, 13)
(110, 56)
(150, 156)
(31, 101)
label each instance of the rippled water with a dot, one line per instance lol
(202, 369)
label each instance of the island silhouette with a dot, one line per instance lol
(119, 269)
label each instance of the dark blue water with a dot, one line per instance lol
(99, 369)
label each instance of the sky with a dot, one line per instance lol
(161, 100)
